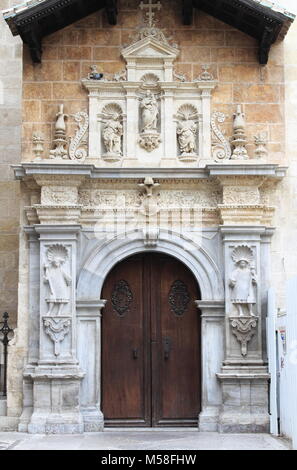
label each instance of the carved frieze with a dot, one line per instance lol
(56, 195)
(244, 195)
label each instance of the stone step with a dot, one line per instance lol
(8, 424)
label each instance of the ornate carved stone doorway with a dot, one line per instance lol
(151, 366)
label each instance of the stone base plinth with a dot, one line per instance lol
(208, 419)
(241, 421)
(56, 401)
(245, 401)
(93, 420)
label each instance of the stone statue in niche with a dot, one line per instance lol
(150, 112)
(187, 131)
(243, 280)
(112, 132)
(149, 137)
(112, 135)
(57, 279)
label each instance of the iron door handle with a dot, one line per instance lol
(167, 348)
(135, 353)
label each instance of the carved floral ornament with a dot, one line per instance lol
(179, 298)
(121, 297)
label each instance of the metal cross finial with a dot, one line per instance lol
(150, 14)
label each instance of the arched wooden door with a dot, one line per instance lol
(151, 344)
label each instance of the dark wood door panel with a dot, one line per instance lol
(151, 343)
(124, 340)
(177, 399)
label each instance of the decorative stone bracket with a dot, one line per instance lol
(243, 328)
(57, 328)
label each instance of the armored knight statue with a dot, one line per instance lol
(57, 279)
(243, 280)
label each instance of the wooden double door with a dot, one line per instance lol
(151, 344)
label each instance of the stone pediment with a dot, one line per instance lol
(150, 48)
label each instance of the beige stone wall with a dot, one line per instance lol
(232, 55)
(284, 264)
(10, 153)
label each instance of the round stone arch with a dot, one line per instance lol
(96, 268)
(91, 279)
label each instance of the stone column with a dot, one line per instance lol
(244, 376)
(212, 352)
(169, 133)
(57, 376)
(89, 356)
(132, 121)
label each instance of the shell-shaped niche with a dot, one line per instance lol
(150, 80)
(187, 112)
(112, 109)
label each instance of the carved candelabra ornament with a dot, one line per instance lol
(239, 140)
(243, 281)
(56, 278)
(60, 141)
(38, 145)
(149, 110)
(205, 74)
(261, 143)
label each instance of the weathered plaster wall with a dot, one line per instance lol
(232, 55)
(10, 153)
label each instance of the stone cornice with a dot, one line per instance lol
(27, 170)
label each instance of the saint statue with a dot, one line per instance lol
(112, 135)
(243, 280)
(150, 112)
(57, 279)
(187, 133)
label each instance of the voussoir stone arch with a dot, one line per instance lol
(104, 257)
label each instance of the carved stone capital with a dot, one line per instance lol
(57, 328)
(243, 328)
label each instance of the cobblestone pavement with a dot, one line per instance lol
(143, 440)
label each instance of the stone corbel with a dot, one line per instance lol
(151, 237)
(243, 328)
(57, 328)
